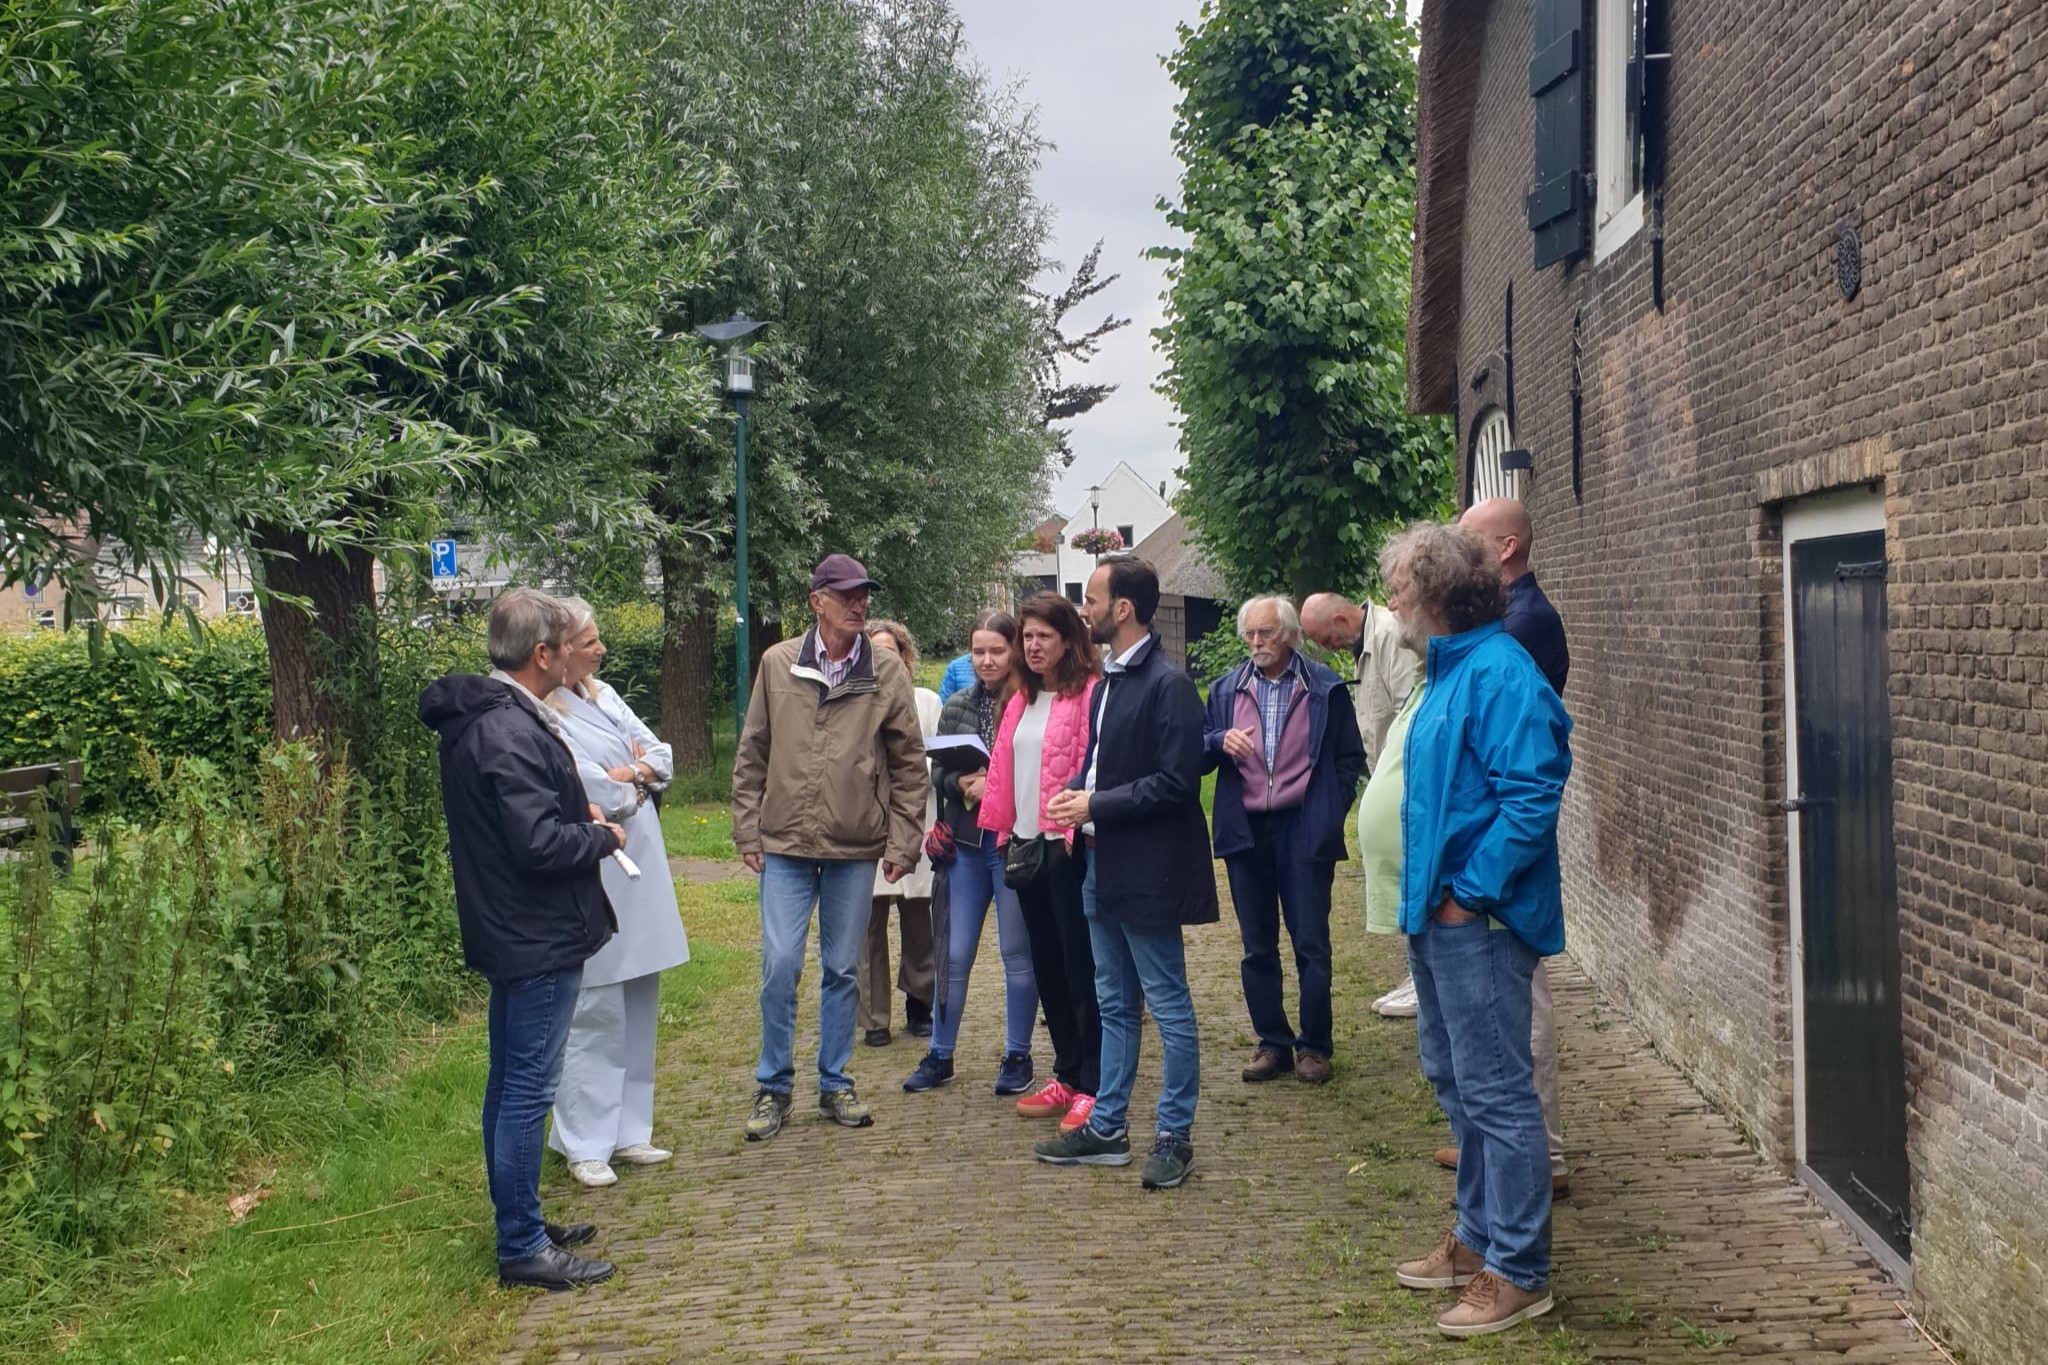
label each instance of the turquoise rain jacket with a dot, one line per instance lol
(1484, 769)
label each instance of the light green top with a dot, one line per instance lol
(1379, 825)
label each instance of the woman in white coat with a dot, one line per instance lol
(912, 896)
(604, 1104)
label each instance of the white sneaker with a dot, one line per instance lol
(1398, 1003)
(642, 1154)
(594, 1174)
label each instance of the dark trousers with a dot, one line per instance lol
(528, 1020)
(1064, 964)
(1268, 882)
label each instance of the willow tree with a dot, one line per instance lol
(878, 211)
(1286, 313)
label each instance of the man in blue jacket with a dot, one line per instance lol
(1138, 804)
(1484, 764)
(1280, 732)
(525, 847)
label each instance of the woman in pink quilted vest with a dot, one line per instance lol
(1042, 742)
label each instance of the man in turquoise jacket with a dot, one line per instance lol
(1484, 765)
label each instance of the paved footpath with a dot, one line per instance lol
(933, 1236)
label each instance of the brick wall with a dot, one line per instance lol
(1926, 129)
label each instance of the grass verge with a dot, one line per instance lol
(376, 1242)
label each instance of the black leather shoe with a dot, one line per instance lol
(876, 1037)
(571, 1234)
(552, 1268)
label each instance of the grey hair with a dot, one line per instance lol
(1450, 572)
(582, 615)
(1283, 611)
(522, 619)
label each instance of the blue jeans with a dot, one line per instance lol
(1472, 988)
(1136, 970)
(528, 1023)
(841, 890)
(1268, 881)
(973, 880)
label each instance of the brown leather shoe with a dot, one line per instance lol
(1266, 1064)
(1447, 1157)
(1451, 1265)
(1311, 1069)
(1490, 1304)
(1560, 1186)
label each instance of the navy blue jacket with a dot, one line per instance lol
(1534, 624)
(1152, 869)
(520, 839)
(1336, 757)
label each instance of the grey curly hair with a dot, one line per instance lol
(1450, 574)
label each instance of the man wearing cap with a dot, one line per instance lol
(828, 779)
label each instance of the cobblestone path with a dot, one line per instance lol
(933, 1236)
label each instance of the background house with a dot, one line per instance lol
(1126, 504)
(1190, 590)
(1745, 300)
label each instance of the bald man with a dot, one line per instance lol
(1534, 623)
(1387, 673)
(1504, 522)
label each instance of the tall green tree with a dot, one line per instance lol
(1286, 317)
(303, 277)
(879, 213)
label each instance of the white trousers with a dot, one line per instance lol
(1543, 1049)
(605, 1099)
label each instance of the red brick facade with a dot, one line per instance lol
(1924, 128)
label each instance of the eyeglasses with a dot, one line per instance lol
(1258, 635)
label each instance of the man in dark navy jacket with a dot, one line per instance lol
(1281, 734)
(525, 848)
(1138, 804)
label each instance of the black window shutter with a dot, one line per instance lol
(1560, 210)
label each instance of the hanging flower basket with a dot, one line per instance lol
(1097, 541)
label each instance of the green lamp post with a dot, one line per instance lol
(739, 383)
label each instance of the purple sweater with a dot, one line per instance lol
(1286, 787)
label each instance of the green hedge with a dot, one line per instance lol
(210, 698)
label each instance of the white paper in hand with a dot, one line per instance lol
(626, 865)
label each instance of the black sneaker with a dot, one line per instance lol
(1016, 1074)
(1084, 1147)
(1169, 1162)
(933, 1072)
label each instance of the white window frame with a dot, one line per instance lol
(1494, 438)
(1617, 182)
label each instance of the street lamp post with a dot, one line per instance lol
(739, 383)
(1095, 512)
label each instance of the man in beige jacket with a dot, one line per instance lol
(828, 779)
(1387, 673)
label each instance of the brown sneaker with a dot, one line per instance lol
(1311, 1069)
(1267, 1063)
(1452, 1264)
(1447, 1157)
(1490, 1304)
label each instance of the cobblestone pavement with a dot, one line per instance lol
(933, 1236)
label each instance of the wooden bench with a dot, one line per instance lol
(60, 785)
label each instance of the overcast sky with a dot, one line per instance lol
(1092, 67)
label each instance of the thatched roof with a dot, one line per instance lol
(1446, 86)
(1182, 568)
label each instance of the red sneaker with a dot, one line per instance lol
(1049, 1099)
(1077, 1113)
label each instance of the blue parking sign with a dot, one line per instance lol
(444, 558)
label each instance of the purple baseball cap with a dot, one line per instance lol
(842, 573)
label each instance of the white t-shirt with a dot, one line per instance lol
(1027, 757)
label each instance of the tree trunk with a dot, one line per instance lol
(689, 629)
(324, 677)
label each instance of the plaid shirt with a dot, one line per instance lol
(1273, 694)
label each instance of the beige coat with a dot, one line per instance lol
(1387, 673)
(830, 773)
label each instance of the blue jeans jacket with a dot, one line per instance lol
(1484, 770)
